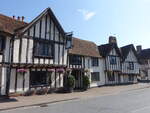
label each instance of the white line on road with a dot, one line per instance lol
(141, 110)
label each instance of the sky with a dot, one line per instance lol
(93, 20)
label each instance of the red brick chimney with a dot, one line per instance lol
(23, 18)
(112, 40)
(19, 18)
(13, 16)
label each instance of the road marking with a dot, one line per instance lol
(141, 109)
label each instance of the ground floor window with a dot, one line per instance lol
(39, 78)
(111, 76)
(131, 78)
(95, 76)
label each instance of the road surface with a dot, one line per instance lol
(136, 101)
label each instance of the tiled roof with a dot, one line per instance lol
(106, 48)
(126, 49)
(9, 25)
(144, 54)
(84, 48)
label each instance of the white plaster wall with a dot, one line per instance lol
(3, 80)
(37, 29)
(43, 28)
(27, 80)
(1, 57)
(24, 50)
(16, 51)
(48, 28)
(61, 55)
(56, 53)
(12, 80)
(30, 51)
(19, 81)
(7, 50)
(99, 69)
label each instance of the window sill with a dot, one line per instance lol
(49, 57)
(42, 85)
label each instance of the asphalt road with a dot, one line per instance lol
(136, 101)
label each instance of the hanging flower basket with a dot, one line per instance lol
(60, 70)
(51, 70)
(69, 70)
(22, 70)
(86, 70)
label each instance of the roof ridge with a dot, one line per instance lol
(13, 19)
(85, 40)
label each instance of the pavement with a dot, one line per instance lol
(21, 101)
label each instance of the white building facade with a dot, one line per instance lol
(84, 59)
(35, 56)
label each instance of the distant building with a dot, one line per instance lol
(144, 57)
(130, 64)
(112, 61)
(84, 59)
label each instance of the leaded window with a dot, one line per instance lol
(113, 60)
(95, 62)
(95, 76)
(43, 49)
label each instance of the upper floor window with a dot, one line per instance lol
(113, 60)
(75, 60)
(95, 62)
(2, 44)
(95, 76)
(43, 49)
(131, 65)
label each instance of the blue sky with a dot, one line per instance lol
(94, 20)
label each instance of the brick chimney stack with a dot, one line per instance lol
(13, 16)
(112, 40)
(23, 18)
(19, 18)
(139, 48)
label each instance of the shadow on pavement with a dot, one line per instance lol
(7, 99)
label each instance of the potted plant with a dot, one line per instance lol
(70, 83)
(86, 82)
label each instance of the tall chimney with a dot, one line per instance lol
(13, 16)
(19, 18)
(23, 18)
(139, 48)
(112, 40)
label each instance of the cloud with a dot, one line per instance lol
(87, 15)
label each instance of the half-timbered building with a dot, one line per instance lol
(112, 61)
(129, 64)
(144, 58)
(33, 55)
(84, 58)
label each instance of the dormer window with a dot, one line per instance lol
(69, 40)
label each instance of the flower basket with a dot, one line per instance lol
(22, 70)
(60, 70)
(86, 70)
(51, 70)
